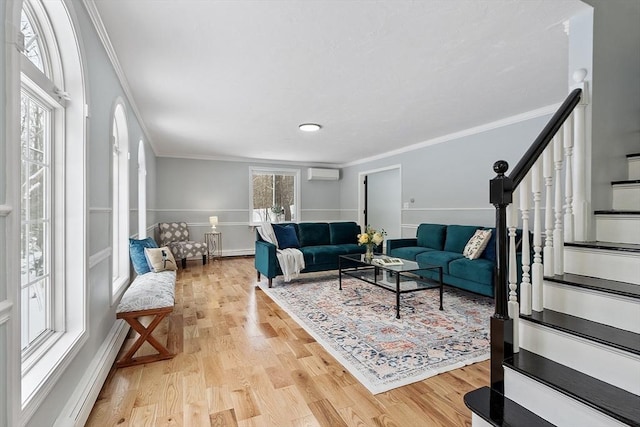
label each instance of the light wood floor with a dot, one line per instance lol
(242, 361)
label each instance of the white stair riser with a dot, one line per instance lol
(634, 168)
(613, 310)
(626, 197)
(618, 228)
(613, 265)
(550, 404)
(607, 364)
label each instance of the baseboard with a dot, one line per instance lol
(77, 410)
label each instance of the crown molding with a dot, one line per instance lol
(92, 10)
(248, 160)
(543, 111)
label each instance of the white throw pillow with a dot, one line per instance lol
(476, 244)
(160, 259)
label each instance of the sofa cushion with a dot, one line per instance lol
(439, 258)
(343, 232)
(286, 235)
(136, 252)
(353, 248)
(458, 236)
(409, 252)
(432, 236)
(477, 270)
(325, 254)
(313, 233)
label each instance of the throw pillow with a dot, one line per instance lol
(286, 235)
(160, 259)
(136, 253)
(476, 244)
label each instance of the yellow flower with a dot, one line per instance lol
(363, 239)
(371, 236)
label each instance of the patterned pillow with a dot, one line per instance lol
(136, 252)
(476, 244)
(160, 259)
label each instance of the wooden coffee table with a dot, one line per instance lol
(406, 279)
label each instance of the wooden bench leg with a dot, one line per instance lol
(145, 335)
(184, 263)
(204, 259)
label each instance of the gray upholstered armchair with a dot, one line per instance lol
(175, 235)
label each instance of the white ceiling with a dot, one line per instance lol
(233, 79)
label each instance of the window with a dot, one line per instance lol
(37, 111)
(119, 200)
(35, 252)
(44, 75)
(275, 195)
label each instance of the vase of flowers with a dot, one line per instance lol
(370, 238)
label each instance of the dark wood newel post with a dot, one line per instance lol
(500, 195)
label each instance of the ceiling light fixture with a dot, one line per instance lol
(309, 127)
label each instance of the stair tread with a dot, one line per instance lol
(626, 181)
(611, 246)
(610, 400)
(617, 212)
(594, 331)
(498, 410)
(598, 284)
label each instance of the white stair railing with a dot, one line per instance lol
(558, 178)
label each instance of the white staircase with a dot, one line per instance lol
(578, 362)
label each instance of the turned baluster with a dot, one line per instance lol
(568, 183)
(525, 285)
(536, 269)
(547, 162)
(558, 234)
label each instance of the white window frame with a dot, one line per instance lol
(33, 377)
(276, 171)
(119, 200)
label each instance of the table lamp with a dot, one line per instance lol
(213, 220)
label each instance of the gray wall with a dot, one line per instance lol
(192, 190)
(449, 182)
(616, 93)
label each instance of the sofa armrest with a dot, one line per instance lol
(266, 261)
(400, 243)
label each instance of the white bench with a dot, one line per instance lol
(150, 294)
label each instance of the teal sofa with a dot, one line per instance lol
(442, 245)
(320, 242)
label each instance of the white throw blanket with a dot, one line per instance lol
(291, 260)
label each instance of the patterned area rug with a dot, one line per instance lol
(358, 327)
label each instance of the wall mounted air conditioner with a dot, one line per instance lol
(317, 174)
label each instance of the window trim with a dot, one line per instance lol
(119, 211)
(276, 171)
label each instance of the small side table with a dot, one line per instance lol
(213, 239)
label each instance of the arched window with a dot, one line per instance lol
(45, 77)
(120, 199)
(39, 115)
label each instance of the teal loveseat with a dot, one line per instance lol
(442, 245)
(320, 242)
